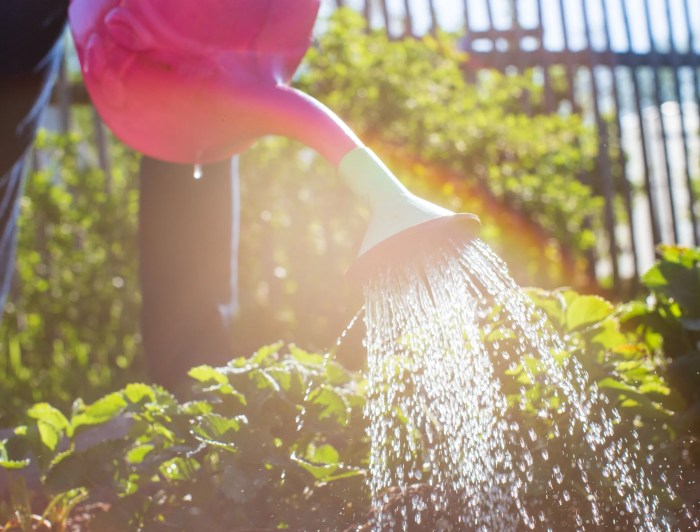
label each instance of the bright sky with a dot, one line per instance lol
(450, 16)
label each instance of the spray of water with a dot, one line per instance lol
(442, 435)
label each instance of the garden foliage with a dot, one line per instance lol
(274, 440)
(71, 323)
(279, 438)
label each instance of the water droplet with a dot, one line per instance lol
(197, 173)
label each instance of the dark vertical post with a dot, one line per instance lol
(367, 11)
(621, 156)
(656, 89)
(64, 98)
(433, 17)
(514, 46)
(548, 94)
(102, 150)
(470, 72)
(408, 26)
(498, 64)
(567, 66)
(636, 96)
(695, 63)
(683, 124)
(386, 16)
(603, 159)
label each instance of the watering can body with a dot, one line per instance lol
(190, 82)
(196, 81)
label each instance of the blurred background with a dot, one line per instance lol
(571, 127)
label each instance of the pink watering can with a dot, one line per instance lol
(196, 81)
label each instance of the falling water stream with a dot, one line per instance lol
(441, 433)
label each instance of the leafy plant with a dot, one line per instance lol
(670, 319)
(273, 441)
(623, 375)
(72, 320)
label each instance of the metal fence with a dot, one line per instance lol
(629, 66)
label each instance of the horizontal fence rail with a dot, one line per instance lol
(631, 67)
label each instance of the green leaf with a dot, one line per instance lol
(138, 453)
(552, 303)
(49, 415)
(5, 461)
(14, 464)
(50, 436)
(215, 425)
(206, 373)
(306, 358)
(100, 411)
(93, 467)
(324, 454)
(679, 282)
(262, 354)
(332, 404)
(137, 392)
(197, 408)
(179, 468)
(586, 310)
(319, 471)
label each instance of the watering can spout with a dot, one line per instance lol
(285, 111)
(402, 224)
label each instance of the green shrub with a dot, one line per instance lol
(276, 440)
(670, 319)
(71, 324)
(238, 450)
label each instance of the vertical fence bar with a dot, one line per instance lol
(657, 96)
(675, 67)
(386, 17)
(514, 45)
(627, 192)
(548, 93)
(102, 150)
(694, 57)
(367, 12)
(408, 24)
(567, 65)
(694, 66)
(603, 159)
(64, 98)
(498, 64)
(636, 97)
(695, 63)
(433, 17)
(469, 72)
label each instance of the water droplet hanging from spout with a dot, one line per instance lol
(197, 171)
